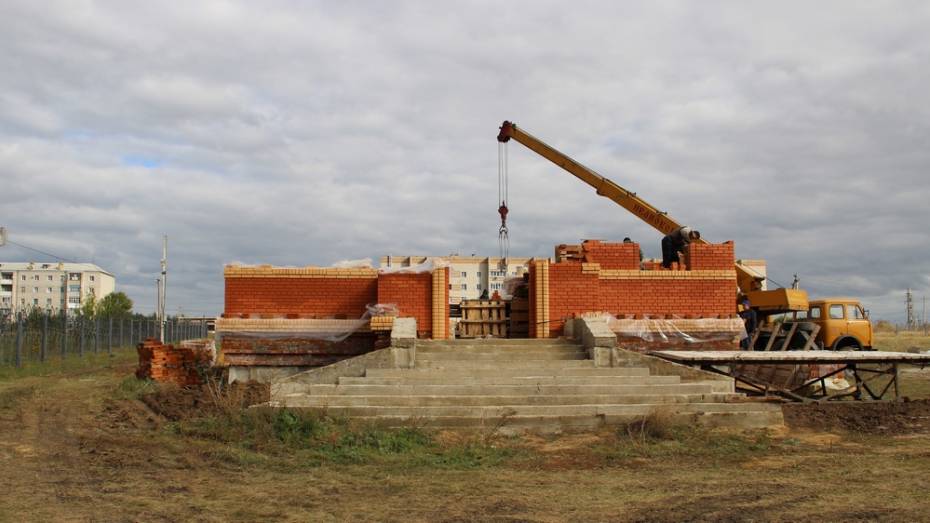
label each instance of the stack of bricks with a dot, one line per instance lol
(169, 364)
(381, 323)
(611, 255)
(565, 252)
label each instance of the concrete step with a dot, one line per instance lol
(422, 363)
(501, 356)
(562, 418)
(497, 348)
(571, 371)
(498, 342)
(466, 379)
(618, 411)
(520, 351)
(304, 400)
(479, 389)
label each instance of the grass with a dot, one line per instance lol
(901, 341)
(83, 448)
(72, 363)
(320, 439)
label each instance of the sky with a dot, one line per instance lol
(305, 133)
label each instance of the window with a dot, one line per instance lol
(62, 288)
(478, 287)
(853, 312)
(464, 274)
(75, 300)
(450, 286)
(800, 315)
(91, 278)
(48, 302)
(464, 286)
(495, 286)
(24, 277)
(74, 288)
(35, 289)
(22, 288)
(36, 277)
(479, 274)
(49, 290)
(836, 312)
(815, 313)
(35, 301)
(50, 277)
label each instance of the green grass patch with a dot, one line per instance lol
(56, 365)
(132, 388)
(315, 439)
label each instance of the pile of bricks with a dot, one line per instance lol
(167, 363)
(611, 255)
(381, 323)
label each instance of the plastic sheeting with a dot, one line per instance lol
(670, 331)
(429, 265)
(324, 330)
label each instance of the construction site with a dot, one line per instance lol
(571, 387)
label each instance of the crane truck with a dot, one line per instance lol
(837, 323)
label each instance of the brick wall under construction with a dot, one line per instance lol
(705, 288)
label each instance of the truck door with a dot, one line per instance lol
(858, 325)
(835, 325)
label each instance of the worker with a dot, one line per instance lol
(750, 321)
(675, 242)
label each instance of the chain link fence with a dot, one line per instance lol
(40, 336)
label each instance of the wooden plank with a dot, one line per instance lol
(810, 356)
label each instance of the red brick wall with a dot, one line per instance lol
(709, 256)
(313, 297)
(412, 293)
(611, 255)
(571, 291)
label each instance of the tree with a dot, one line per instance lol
(89, 307)
(115, 304)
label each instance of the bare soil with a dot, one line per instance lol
(886, 418)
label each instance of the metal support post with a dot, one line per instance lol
(43, 345)
(19, 341)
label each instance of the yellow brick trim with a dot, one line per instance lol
(438, 305)
(233, 325)
(541, 295)
(622, 274)
(267, 271)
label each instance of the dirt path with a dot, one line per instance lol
(71, 450)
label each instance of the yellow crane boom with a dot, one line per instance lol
(775, 300)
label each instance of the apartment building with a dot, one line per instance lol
(469, 276)
(51, 286)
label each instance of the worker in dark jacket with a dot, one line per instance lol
(675, 242)
(750, 321)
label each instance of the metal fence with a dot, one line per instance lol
(42, 336)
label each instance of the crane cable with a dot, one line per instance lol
(503, 234)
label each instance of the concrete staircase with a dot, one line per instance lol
(516, 385)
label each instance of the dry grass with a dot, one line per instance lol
(81, 448)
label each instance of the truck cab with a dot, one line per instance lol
(844, 324)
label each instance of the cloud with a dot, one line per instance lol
(310, 133)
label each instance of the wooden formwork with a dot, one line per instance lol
(483, 318)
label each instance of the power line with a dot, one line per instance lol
(11, 242)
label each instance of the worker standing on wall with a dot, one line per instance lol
(676, 242)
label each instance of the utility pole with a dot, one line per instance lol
(164, 287)
(911, 320)
(923, 315)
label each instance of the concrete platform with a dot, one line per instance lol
(517, 385)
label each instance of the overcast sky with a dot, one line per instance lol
(298, 133)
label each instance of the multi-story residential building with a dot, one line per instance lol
(469, 276)
(51, 286)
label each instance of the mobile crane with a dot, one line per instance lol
(849, 330)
